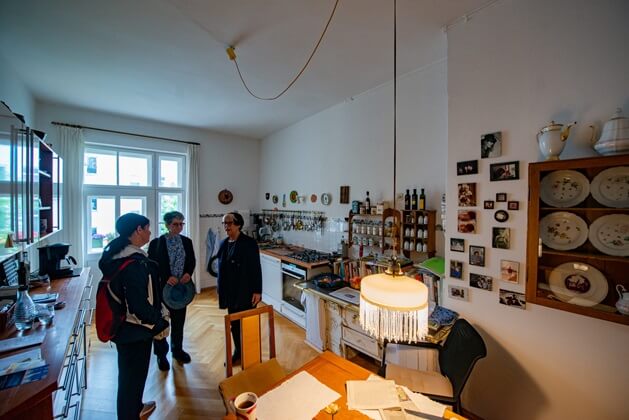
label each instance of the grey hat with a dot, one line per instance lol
(179, 295)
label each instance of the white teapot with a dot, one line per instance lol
(551, 139)
(623, 303)
(614, 136)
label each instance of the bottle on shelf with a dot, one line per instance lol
(422, 200)
(407, 200)
(414, 199)
(368, 203)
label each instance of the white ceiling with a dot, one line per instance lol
(165, 59)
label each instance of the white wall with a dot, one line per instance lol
(352, 144)
(227, 161)
(512, 68)
(14, 93)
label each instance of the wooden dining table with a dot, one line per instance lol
(333, 371)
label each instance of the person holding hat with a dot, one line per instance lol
(239, 274)
(138, 287)
(174, 254)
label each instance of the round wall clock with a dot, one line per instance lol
(225, 196)
(326, 199)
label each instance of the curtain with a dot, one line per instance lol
(192, 212)
(70, 146)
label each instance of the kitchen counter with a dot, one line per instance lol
(310, 287)
(283, 252)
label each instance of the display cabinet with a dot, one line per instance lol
(418, 233)
(578, 235)
(375, 230)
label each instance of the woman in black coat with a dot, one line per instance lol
(239, 274)
(175, 255)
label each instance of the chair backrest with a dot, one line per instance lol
(250, 337)
(462, 349)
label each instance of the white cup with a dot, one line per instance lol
(245, 405)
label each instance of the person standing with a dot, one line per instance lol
(239, 274)
(174, 254)
(137, 286)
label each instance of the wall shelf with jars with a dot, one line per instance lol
(374, 230)
(418, 233)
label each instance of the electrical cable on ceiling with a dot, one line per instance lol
(231, 53)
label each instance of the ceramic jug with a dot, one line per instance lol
(552, 139)
(614, 138)
(623, 303)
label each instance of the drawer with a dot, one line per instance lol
(361, 342)
(352, 320)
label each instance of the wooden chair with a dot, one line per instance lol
(256, 375)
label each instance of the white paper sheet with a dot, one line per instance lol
(300, 397)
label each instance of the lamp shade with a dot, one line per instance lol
(394, 308)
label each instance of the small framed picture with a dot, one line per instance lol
(515, 299)
(477, 255)
(480, 282)
(467, 194)
(513, 205)
(501, 216)
(488, 204)
(491, 145)
(506, 171)
(456, 269)
(456, 292)
(457, 245)
(466, 221)
(501, 197)
(509, 271)
(468, 167)
(501, 238)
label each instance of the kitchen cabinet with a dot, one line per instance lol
(578, 238)
(271, 280)
(374, 231)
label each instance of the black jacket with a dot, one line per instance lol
(159, 252)
(239, 276)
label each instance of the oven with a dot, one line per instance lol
(291, 306)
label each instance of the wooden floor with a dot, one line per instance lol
(186, 391)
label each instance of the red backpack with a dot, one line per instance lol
(111, 310)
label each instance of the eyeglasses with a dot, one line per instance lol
(178, 223)
(228, 223)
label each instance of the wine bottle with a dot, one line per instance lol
(368, 203)
(422, 200)
(414, 199)
(407, 201)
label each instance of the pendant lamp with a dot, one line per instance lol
(394, 307)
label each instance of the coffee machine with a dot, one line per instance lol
(50, 258)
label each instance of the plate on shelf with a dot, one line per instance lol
(578, 283)
(611, 187)
(563, 230)
(610, 234)
(326, 199)
(564, 188)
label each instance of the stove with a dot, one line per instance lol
(310, 256)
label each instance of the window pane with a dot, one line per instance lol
(100, 167)
(133, 205)
(135, 169)
(102, 223)
(167, 202)
(170, 172)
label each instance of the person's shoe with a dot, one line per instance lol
(181, 356)
(148, 408)
(162, 363)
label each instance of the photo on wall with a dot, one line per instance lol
(480, 282)
(456, 269)
(468, 167)
(457, 245)
(466, 221)
(506, 171)
(477, 255)
(467, 194)
(491, 145)
(501, 238)
(515, 299)
(509, 271)
(457, 292)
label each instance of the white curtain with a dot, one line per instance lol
(192, 212)
(70, 146)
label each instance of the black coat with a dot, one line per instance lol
(239, 276)
(158, 251)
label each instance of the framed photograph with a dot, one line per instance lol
(457, 245)
(481, 282)
(513, 205)
(509, 271)
(468, 167)
(477, 255)
(467, 194)
(515, 299)
(491, 145)
(500, 238)
(501, 216)
(501, 197)
(488, 204)
(456, 292)
(456, 269)
(466, 221)
(506, 171)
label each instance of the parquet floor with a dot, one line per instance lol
(186, 391)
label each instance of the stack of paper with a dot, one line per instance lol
(22, 368)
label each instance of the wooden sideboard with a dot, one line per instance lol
(65, 350)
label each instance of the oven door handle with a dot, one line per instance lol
(293, 275)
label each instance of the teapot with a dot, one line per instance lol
(623, 303)
(551, 139)
(614, 138)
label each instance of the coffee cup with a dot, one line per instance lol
(245, 405)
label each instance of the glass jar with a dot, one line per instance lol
(25, 310)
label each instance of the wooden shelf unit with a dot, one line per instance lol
(410, 220)
(385, 239)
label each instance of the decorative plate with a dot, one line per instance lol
(313, 198)
(562, 230)
(578, 283)
(275, 199)
(225, 196)
(564, 188)
(326, 199)
(293, 196)
(611, 187)
(610, 234)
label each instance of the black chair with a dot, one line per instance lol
(462, 349)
